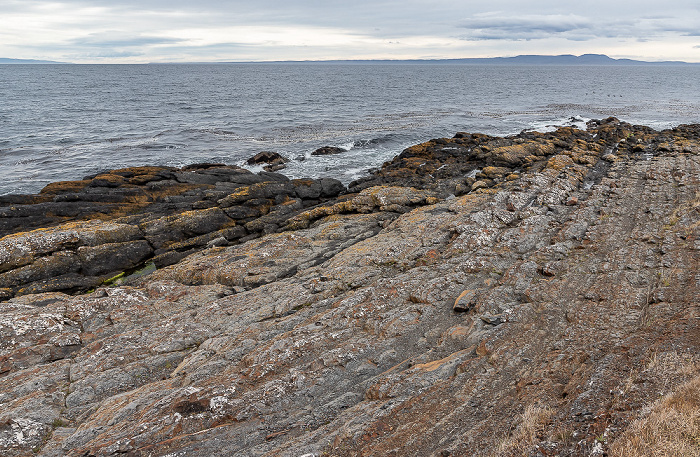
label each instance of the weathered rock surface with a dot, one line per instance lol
(151, 214)
(417, 316)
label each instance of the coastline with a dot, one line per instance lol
(421, 309)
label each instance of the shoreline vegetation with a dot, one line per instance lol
(534, 294)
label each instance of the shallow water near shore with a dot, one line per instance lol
(63, 122)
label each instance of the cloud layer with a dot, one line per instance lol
(207, 30)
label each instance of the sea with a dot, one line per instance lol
(64, 122)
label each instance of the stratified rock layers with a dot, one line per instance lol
(466, 282)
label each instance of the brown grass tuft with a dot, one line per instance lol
(530, 430)
(670, 429)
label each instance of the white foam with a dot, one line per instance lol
(577, 121)
(347, 146)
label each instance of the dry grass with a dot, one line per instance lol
(670, 429)
(530, 430)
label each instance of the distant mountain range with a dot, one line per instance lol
(26, 61)
(565, 59)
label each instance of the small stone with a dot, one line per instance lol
(479, 185)
(573, 201)
(220, 241)
(492, 320)
(465, 301)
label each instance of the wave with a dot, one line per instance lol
(577, 121)
(212, 131)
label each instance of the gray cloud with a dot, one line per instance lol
(108, 53)
(174, 30)
(571, 27)
(116, 39)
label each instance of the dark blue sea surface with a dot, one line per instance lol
(63, 122)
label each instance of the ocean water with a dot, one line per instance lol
(63, 122)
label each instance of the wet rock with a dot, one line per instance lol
(268, 157)
(275, 167)
(328, 150)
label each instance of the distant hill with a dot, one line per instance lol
(26, 61)
(565, 59)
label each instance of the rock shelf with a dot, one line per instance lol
(469, 290)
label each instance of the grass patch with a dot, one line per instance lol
(670, 429)
(530, 430)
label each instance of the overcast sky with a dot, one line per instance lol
(139, 31)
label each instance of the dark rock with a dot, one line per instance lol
(275, 167)
(67, 282)
(191, 223)
(242, 212)
(256, 192)
(271, 176)
(171, 257)
(267, 157)
(331, 187)
(328, 150)
(113, 257)
(307, 188)
(45, 267)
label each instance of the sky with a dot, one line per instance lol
(142, 31)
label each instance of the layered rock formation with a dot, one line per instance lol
(528, 295)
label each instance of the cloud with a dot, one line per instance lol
(108, 54)
(179, 30)
(573, 27)
(118, 39)
(495, 26)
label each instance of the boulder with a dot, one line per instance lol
(328, 150)
(268, 157)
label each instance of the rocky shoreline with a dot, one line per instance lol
(468, 289)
